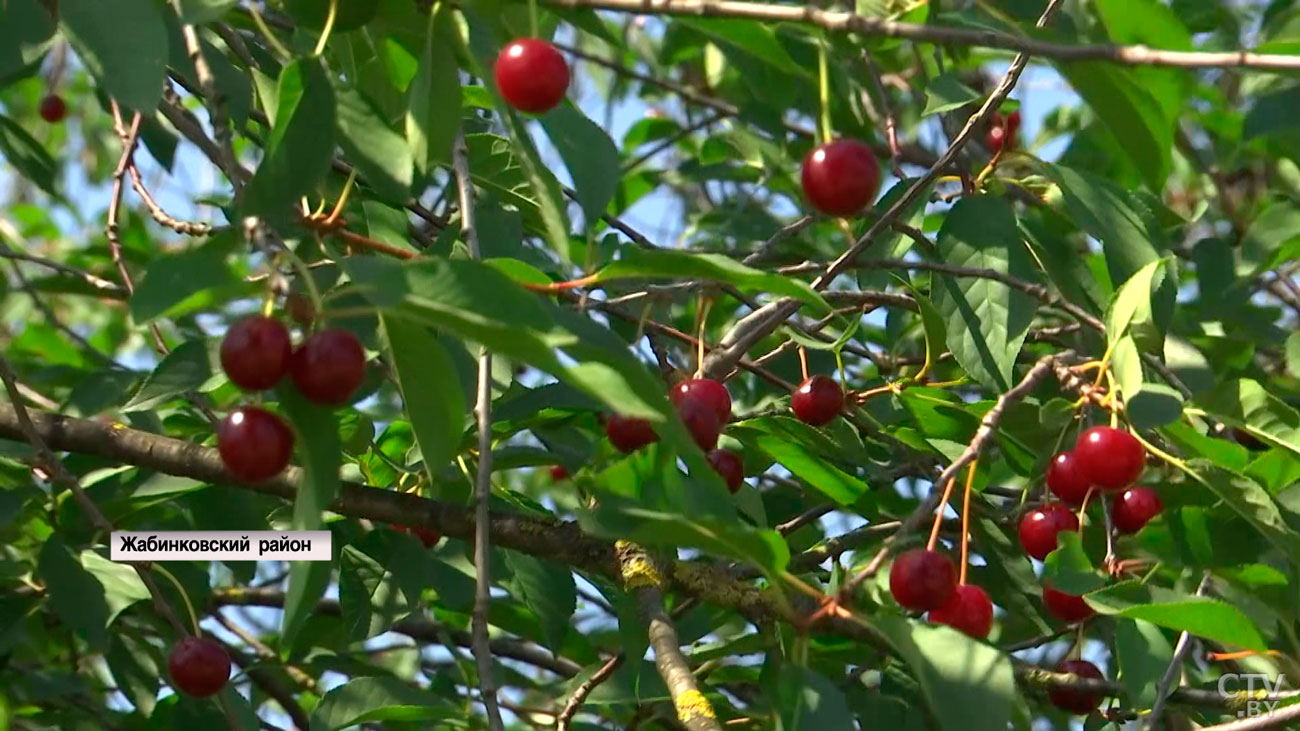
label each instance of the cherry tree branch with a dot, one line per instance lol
(483, 478)
(844, 22)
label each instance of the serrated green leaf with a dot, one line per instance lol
(433, 110)
(1208, 618)
(186, 368)
(379, 698)
(26, 155)
(547, 589)
(379, 153)
(301, 144)
(945, 93)
(423, 369)
(590, 156)
(1069, 569)
(123, 43)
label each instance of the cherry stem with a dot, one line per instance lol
(185, 597)
(803, 362)
(260, 22)
(704, 307)
(1084, 507)
(824, 92)
(343, 198)
(562, 286)
(329, 26)
(938, 517)
(532, 18)
(965, 521)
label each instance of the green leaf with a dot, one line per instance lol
(369, 599)
(122, 586)
(308, 581)
(1150, 23)
(24, 35)
(945, 93)
(1251, 502)
(26, 155)
(1247, 404)
(379, 698)
(1069, 569)
(197, 12)
(77, 597)
(1143, 653)
(1293, 354)
(186, 368)
(1101, 208)
(638, 262)
(301, 144)
(1208, 618)
(590, 156)
(811, 702)
(1130, 112)
(548, 589)
(986, 320)
(755, 39)
(433, 113)
(1154, 405)
(1272, 114)
(829, 480)
(1132, 310)
(967, 684)
(423, 369)
(123, 44)
(318, 447)
(379, 153)
(185, 282)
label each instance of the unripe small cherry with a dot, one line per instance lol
(1066, 480)
(817, 401)
(841, 177)
(1110, 458)
(329, 367)
(969, 609)
(198, 666)
(1133, 508)
(707, 390)
(729, 466)
(255, 353)
(254, 444)
(922, 580)
(1038, 528)
(629, 433)
(531, 75)
(1066, 607)
(1081, 702)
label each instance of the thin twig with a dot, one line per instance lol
(603, 673)
(216, 104)
(483, 479)
(1175, 669)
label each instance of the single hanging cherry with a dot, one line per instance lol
(1134, 508)
(1110, 458)
(254, 444)
(531, 75)
(628, 433)
(969, 609)
(729, 466)
(921, 579)
(701, 420)
(255, 352)
(1081, 702)
(198, 666)
(707, 390)
(1066, 480)
(817, 401)
(1038, 528)
(53, 109)
(840, 178)
(1066, 607)
(329, 367)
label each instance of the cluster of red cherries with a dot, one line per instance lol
(1104, 458)
(256, 354)
(704, 406)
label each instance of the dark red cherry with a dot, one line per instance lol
(428, 536)
(707, 390)
(1081, 702)
(254, 444)
(968, 609)
(921, 580)
(701, 420)
(1066, 480)
(198, 666)
(628, 433)
(730, 466)
(1003, 130)
(1039, 527)
(817, 401)
(559, 473)
(255, 353)
(329, 367)
(531, 75)
(1110, 458)
(53, 109)
(1134, 508)
(840, 178)
(1066, 607)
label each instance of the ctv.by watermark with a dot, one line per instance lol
(1253, 694)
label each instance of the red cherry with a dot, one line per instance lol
(1134, 508)
(1066, 607)
(254, 444)
(559, 473)
(328, 368)
(730, 466)
(701, 421)
(1066, 480)
(531, 75)
(428, 536)
(921, 579)
(198, 666)
(817, 401)
(1081, 702)
(968, 609)
(53, 109)
(1013, 124)
(1110, 458)
(1003, 130)
(839, 178)
(628, 433)
(1039, 527)
(255, 353)
(708, 390)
